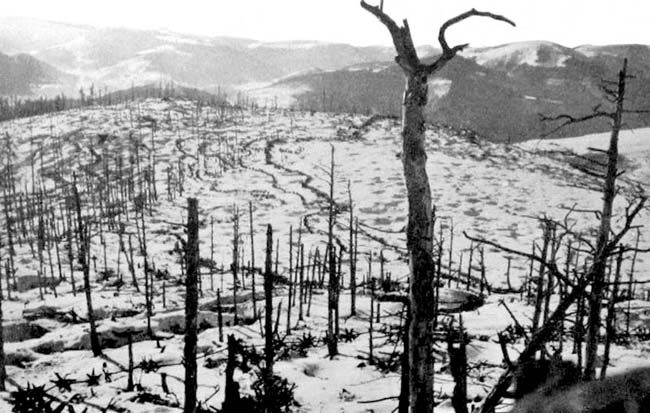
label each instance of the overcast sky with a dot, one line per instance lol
(569, 22)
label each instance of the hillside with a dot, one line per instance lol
(116, 58)
(499, 91)
(277, 160)
(496, 91)
(23, 75)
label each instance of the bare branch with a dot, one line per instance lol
(407, 57)
(589, 172)
(569, 120)
(631, 211)
(637, 111)
(450, 52)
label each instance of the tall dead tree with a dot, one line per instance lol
(353, 263)
(235, 260)
(268, 314)
(609, 190)
(191, 304)
(419, 231)
(332, 339)
(3, 371)
(607, 244)
(252, 266)
(84, 246)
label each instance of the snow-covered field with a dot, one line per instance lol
(279, 161)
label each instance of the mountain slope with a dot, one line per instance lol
(21, 74)
(118, 57)
(498, 92)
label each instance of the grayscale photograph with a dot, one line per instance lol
(363, 206)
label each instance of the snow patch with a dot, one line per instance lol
(176, 38)
(439, 87)
(291, 45)
(520, 53)
(161, 48)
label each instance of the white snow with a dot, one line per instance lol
(291, 45)
(518, 53)
(439, 87)
(277, 161)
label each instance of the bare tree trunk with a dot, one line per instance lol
(71, 252)
(420, 246)
(268, 312)
(291, 269)
(403, 406)
(458, 367)
(250, 216)
(84, 243)
(630, 288)
(332, 339)
(129, 384)
(191, 304)
(540, 277)
(3, 371)
(235, 261)
(600, 257)
(419, 232)
(371, 359)
(231, 396)
(353, 263)
(219, 316)
(301, 284)
(610, 321)
(212, 257)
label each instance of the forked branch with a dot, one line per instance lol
(449, 53)
(407, 56)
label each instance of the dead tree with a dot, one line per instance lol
(252, 266)
(610, 321)
(332, 339)
(419, 232)
(84, 246)
(458, 367)
(3, 371)
(268, 312)
(540, 276)
(353, 263)
(191, 304)
(231, 397)
(235, 261)
(609, 190)
(607, 244)
(290, 279)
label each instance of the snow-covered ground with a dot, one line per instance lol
(278, 161)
